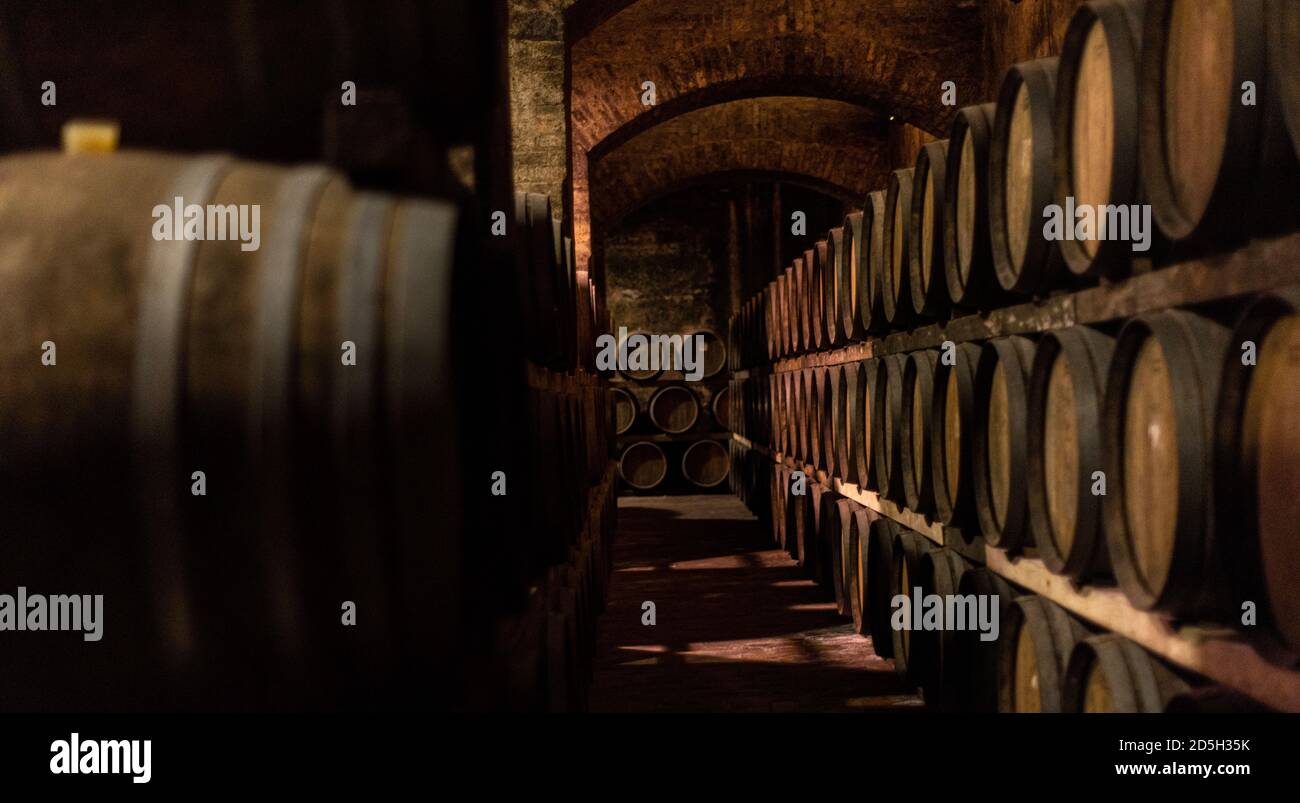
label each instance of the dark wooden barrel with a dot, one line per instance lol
(805, 412)
(952, 425)
(849, 411)
(836, 265)
(967, 253)
(1215, 168)
(625, 410)
(782, 313)
(933, 660)
(860, 380)
(780, 482)
(842, 561)
(1096, 127)
(796, 519)
(643, 465)
(895, 272)
(887, 426)
(177, 356)
(927, 283)
(722, 402)
(822, 531)
(881, 535)
(714, 354)
(909, 548)
(770, 329)
(626, 349)
(853, 276)
(1159, 419)
(832, 419)
(542, 251)
(1284, 61)
(816, 381)
(1065, 450)
(1109, 674)
(1257, 480)
(1021, 182)
(871, 297)
(815, 262)
(800, 327)
(859, 569)
(705, 464)
(1034, 648)
(973, 671)
(674, 409)
(1001, 442)
(914, 440)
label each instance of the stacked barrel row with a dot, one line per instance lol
(1156, 452)
(1171, 108)
(669, 430)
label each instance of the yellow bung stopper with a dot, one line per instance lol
(90, 136)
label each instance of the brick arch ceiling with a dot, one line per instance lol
(837, 148)
(890, 54)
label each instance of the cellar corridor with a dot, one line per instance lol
(738, 628)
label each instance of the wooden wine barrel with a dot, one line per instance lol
(887, 426)
(858, 557)
(720, 404)
(803, 414)
(841, 562)
(933, 658)
(927, 283)
(625, 410)
(832, 419)
(780, 310)
(859, 382)
(973, 670)
(853, 277)
(1096, 127)
(1284, 61)
(714, 353)
(173, 356)
(909, 548)
(1159, 416)
(967, 252)
(629, 347)
(836, 264)
(952, 424)
(1001, 442)
(881, 535)
(800, 315)
(1021, 182)
(705, 464)
(1034, 648)
(1215, 168)
(815, 262)
(643, 465)
(894, 275)
(871, 296)
(817, 552)
(816, 382)
(780, 481)
(914, 440)
(769, 321)
(1065, 450)
(674, 409)
(789, 318)
(1109, 674)
(1257, 481)
(849, 414)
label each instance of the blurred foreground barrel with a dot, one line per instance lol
(1021, 179)
(1109, 674)
(643, 465)
(1037, 639)
(1257, 477)
(1066, 463)
(1001, 446)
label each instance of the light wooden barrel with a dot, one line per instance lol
(871, 298)
(917, 404)
(1034, 649)
(967, 252)
(858, 405)
(1065, 449)
(848, 407)
(643, 465)
(1160, 414)
(1109, 674)
(1001, 442)
(895, 264)
(832, 420)
(815, 263)
(1257, 477)
(952, 425)
(815, 383)
(853, 277)
(1097, 126)
(887, 426)
(927, 282)
(1021, 180)
(836, 264)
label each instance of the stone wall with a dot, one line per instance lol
(537, 118)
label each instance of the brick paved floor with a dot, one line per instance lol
(738, 626)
